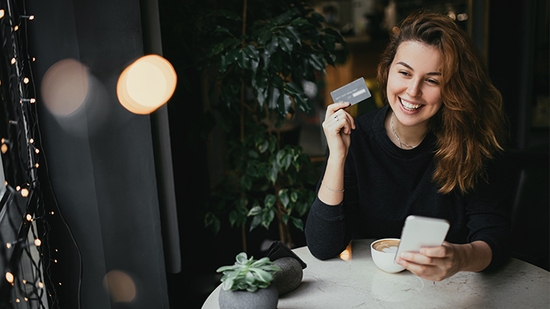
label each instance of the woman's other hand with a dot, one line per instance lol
(438, 263)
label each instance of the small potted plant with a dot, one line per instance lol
(247, 284)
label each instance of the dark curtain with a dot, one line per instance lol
(100, 160)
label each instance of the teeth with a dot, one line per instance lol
(410, 106)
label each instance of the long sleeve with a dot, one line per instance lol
(325, 230)
(488, 212)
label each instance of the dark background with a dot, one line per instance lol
(104, 183)
(518, 65)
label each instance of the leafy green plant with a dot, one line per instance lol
(248, 274)
(256, 61)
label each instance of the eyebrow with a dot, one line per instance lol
(410, 68)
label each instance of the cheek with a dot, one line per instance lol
(435, 99)
(393, 86)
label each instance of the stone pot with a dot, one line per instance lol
(289, 277)
(267, 298)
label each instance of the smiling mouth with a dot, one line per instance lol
(409, 106)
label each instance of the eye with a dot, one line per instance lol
(432, 81)
(404, 73)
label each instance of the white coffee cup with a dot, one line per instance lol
(383, 254)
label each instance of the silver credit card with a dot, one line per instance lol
(354, 92)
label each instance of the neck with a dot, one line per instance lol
(405, 137)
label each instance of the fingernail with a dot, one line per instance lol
(405, 255)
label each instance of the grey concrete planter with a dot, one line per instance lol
(289, 277)
(261, 299)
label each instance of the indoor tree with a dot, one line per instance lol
(256, 56)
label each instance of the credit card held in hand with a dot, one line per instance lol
(354, 92)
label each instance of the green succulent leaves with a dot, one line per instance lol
(248, 274)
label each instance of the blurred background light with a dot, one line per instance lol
(146, 84)
(120, 285)
(77, 99)
(65, 86)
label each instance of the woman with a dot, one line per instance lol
(433, 150)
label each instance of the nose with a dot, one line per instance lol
(414, 88)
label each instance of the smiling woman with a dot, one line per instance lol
(434, 150)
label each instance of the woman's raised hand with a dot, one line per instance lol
(337, 126)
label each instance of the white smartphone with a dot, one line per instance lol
(422, 232)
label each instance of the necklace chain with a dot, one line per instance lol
(401, 144)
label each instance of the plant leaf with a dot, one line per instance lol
(250, 278)
(264, 37)
(252, 289)
(285, 218)
(317, 62)
(262, 275)
(261, 262)
(270, 200)
(284, 197)
(255, 222)
(273, 172)
(272, 46)
(295, 35)
(294, 196)
(255, 211)
(298, 223)
(287, 104)
(263, 146)
(267, 218)
(241, 258)
(227, 284)
(274, 97)
(285, 44)
(233, 217)
(230, 57)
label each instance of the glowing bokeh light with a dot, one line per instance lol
(9, 277)
(65, 87)
(347, 253)
(120, 286)
(146, 84)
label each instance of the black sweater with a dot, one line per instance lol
(384, 184)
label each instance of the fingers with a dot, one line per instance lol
(337, 127)
(338, 120)
(428, 255)
(332, 108)
(437, 252)
(433, 263)
(421, 266)
(416, 258)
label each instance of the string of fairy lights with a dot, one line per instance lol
(25, 256)
(26, 259)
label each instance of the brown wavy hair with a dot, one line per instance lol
(470, 126)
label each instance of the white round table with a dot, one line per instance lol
(353, 281)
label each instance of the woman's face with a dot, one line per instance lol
(414, 83)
